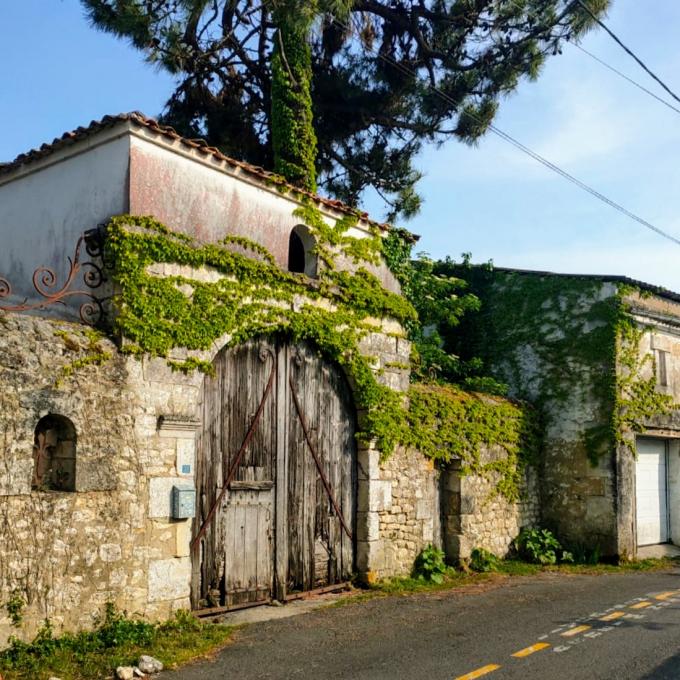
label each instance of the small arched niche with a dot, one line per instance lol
(301, 256)
(54, 454)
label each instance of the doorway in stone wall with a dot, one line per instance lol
(275, 476)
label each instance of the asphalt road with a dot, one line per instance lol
(613, 627)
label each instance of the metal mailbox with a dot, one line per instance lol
(183, 502)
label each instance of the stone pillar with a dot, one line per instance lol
(374, 495)
(170, 577)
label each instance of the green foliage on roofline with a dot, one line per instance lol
(442, 299)
(253, 297)
(159, 314)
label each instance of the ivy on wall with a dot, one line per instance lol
(157, 314)
(555, 338)
(253, 296)
(637, 399)
(446, 423)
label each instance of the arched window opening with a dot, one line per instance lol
(301, 256)
(54, 454)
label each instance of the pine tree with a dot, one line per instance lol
(345, 92)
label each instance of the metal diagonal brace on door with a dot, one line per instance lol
(235, 463)
(315, 455)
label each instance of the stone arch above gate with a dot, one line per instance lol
(276, 475)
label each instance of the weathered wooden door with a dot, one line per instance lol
(275, 475)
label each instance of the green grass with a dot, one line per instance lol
(456, 578)
(117, 641)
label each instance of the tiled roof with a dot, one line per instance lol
(172, 135)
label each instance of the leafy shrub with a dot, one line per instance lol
(15, 608)
(430, 565)
(584, 554)
(484, 560)
(117, 629)
(116, 640)
(541, 547)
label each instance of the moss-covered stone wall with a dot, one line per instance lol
(573, 347)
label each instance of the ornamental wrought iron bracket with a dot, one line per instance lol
(46, 283)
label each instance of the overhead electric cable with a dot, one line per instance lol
(517, 144)
(625, 77)
(627, 49)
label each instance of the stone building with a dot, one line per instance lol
(125, 480)
(599, 358)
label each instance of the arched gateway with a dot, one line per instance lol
(276, 476)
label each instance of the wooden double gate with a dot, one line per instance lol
(276, 476)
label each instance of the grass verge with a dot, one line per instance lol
(116, 641)
(456, 578)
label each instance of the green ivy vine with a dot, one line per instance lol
(637, 399)
(255, 297)
(582, 339)
(445, 423)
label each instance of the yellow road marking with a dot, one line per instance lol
(641, 605)
(612, 616)
(530, 650)
(665, 596)
(575, 631)
(479, 672)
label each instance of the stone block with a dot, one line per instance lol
(183, 538)
(374, 495)
(428, 530)
(370, 556)
(368, 463)
(169, 579)
(468, 505)
(110, 552)
(368, 526)
(160, 495)
(186, 456)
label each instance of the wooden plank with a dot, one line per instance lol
(250, 543)
(281, 518)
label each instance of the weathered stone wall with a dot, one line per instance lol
(549, 338)
(405, 511)
(412, 503)
(474, 515)
(111, 540)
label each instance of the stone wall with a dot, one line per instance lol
(111, 539)
(66, 554)
(412, 503)
(401, 497)
(474, 515)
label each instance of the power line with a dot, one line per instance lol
(525, 149)
(625, 77)
(626, 49)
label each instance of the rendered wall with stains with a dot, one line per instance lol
(201, 198)
(45, 208)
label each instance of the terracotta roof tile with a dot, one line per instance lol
(170, 133)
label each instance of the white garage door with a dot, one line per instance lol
(651, 495)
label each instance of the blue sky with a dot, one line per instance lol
(58, 73)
